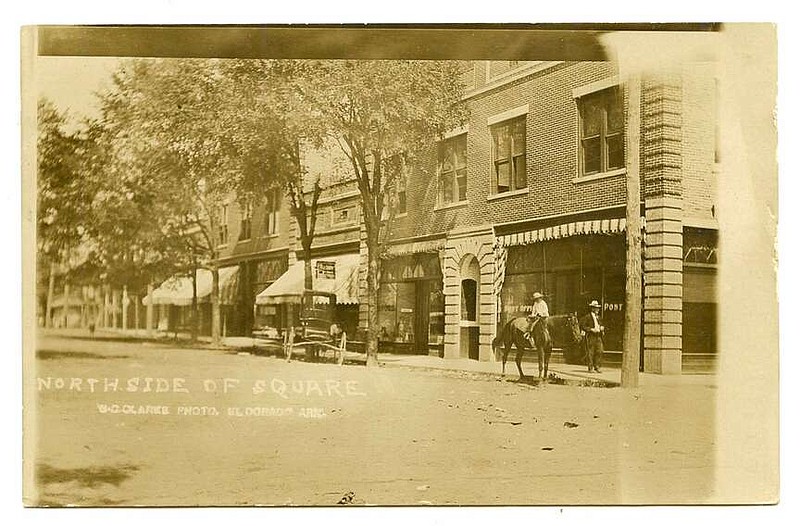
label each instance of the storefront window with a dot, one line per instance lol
(387, 311)
(411, 302)
(571, 273)
(405, 312)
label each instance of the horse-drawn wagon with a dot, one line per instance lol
(318, 331)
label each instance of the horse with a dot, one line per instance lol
(562, 329)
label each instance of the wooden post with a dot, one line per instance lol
(135, 311)
(633, 239)
(125, 302)
(106, 307)
(149, 310)
(65, 304)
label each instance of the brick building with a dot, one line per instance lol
(530, 195)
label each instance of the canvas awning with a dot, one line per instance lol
(576, 228)
(177, 290)
(336, 274)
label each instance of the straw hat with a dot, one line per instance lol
(594, 304)
(538, 296)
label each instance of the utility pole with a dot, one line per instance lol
(631, 339)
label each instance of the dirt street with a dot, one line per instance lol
(128, 423)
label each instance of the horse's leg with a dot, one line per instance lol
(547, 352)
(520, 348)
(540, 357)
(506, 350)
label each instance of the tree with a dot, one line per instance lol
(383, 113)
(267, 109)
(63, 195)
(198, 137)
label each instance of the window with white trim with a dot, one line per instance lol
(271, 206)
(602, 132)
(402, 205)
(246, 221)
(508, 155)
(452, 168)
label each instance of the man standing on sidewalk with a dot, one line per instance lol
(593, 328)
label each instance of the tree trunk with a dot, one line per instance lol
(195, 317)
(372, 295)
(215, 313)
(308, 279)
(51, 286)
(149, 309)
(633, 240)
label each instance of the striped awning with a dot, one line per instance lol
(177, 290)
(414, 247)
(343, 281)
(576, 228)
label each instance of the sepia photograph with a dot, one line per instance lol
(400, 265)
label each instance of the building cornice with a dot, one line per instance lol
(512, 76)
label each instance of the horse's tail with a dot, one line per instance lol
(499, 341)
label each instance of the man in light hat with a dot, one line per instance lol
(592, 326)
(538, 313)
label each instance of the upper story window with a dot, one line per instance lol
(343, 215)
(402, 205)
(453, 170)
(508, 155)
(602, 132)
(246, 221)
(271, 207)
(223, 225)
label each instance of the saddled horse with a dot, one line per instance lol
(563, 330)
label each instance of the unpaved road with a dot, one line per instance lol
(278, 433)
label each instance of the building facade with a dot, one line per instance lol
(530, 196)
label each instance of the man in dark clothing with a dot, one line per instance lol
(592, 327)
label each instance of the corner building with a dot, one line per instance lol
(530, 196)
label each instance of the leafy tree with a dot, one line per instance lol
(383, 113)
(63, 197)
(269, 111)
(192, 135)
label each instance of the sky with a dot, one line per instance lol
(71, 82)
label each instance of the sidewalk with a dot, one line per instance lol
(610, 375)
(571, 373)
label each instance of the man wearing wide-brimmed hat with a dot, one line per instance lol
(592, 326)
(539, 312)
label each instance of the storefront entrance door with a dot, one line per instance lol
(421, 317)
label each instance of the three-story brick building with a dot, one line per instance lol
(530, 196)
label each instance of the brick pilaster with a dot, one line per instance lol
(663, 254)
